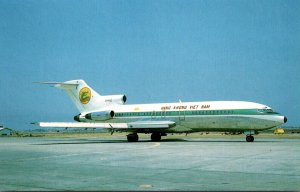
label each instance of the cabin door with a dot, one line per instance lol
(153, 115)
(181, 115)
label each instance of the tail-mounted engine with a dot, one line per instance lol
(100, 115)
(114, 99)
(80, 118)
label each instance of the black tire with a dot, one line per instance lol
(249, 138)
(155, 137)
(133, 137)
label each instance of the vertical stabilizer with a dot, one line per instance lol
(83, 96)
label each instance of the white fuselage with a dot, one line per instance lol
(200, 116)
(111, 112)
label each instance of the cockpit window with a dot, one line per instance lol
(265, 110)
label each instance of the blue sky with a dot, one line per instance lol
(152, 51)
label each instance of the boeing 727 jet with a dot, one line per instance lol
(111, 112)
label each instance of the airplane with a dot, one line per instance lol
(159, 119)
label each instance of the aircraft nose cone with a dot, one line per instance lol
(285, 119)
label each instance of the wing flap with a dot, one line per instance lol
(151, 124)
(81, 125)
(132, 125)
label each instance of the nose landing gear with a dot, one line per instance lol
(249, 138)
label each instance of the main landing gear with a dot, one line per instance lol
(132, 137)
(156, 137)
(249, 138)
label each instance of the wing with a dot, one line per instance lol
(132, 125)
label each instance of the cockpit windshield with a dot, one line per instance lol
(265, 110)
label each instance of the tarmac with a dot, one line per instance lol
(205, 164)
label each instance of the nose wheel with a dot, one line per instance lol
(249, 138)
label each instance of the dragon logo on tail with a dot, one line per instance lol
(85, 95)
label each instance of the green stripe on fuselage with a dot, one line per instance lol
(194, 112)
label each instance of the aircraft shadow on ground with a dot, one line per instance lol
(86, 141)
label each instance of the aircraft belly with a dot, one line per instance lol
(205, 123)
(225, 123)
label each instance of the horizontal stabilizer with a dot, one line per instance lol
(62, 85)
(57, 83)
(82, 95)
(132, 125)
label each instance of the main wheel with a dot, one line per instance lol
(133, 137)
(155, 136)
(249, 138)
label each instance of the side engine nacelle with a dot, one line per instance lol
(115, 99)
(80, 118)
(100, 115)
